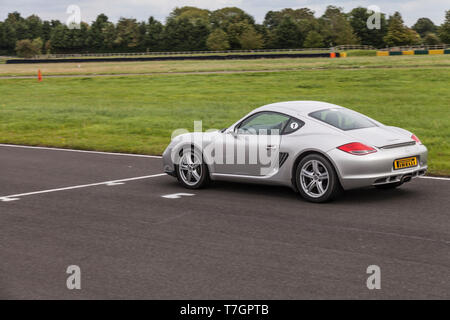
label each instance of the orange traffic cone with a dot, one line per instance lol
(39, 75)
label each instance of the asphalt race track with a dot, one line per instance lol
(107, 214)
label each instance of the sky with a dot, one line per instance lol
(411, 10)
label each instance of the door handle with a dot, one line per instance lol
(271, 147)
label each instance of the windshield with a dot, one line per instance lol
(343, 119)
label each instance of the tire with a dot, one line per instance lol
(389, 186)
(316, 179)
(193, 175)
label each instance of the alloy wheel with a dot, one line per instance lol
(190, 168)
(314, 178)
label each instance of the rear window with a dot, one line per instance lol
(343, 119)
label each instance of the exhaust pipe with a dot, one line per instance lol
(406, 178)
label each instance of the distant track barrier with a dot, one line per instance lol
(415, 50)
(178, 58)
(412, 52)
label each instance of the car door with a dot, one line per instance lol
(252, 147)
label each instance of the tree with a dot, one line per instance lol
(286, 35)
(189, 28)
(13, 29)
(250, 39)
(60, 39)
(398, 34)
(444, 29)
(182, 35)
(46, 30)
(2, 36)
(63, 39)
(193, 14)
(154, 35)
(431, 39)
(423, 26)
(298, 22)
(27, 48)
(127, 34)
(235, 32)
(79, 38)
(33, 26)
(274, 18)
(233, 21)
(313, 40)
(38, 44)
(224, 17)
(336, 28)
(97, 33)
(217, 41)
(109, 32)
(192, 24)
(48, 47)
(372, 37)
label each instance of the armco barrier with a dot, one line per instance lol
(435, 51)
(177, 58)
(412, 52)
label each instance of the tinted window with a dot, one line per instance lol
(343, 119)
(264, 123)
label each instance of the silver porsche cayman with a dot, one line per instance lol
(316, 148)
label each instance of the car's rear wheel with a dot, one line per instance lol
(316, 179)
(192, 172)
(388, 186)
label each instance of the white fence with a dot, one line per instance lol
(337, 48)
(418, 47)
(131, 54)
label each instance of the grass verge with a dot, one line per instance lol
(433, 61)
(138, 113)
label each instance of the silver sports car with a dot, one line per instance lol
(316, 148)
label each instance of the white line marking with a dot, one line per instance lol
(114, 182)
(177, 195)
(6, 199)
(80, 151)
(435, 178)
(111, 184)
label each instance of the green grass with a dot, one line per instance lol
(361, 53)
(138, 113)
(428, 61)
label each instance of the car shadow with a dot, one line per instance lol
(369, 195)
(365, 195)
(254, 189)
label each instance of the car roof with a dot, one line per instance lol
(297, 107)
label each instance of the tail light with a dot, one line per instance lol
(416, 139)
(357, 148)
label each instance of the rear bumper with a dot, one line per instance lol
(378, 168)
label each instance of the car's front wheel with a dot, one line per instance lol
(316, 179)
(192, 172)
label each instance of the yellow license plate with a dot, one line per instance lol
(405, 163)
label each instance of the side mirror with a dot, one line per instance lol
(234, 133)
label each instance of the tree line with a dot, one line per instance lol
(191, 29)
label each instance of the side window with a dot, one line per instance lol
(293, 125)
(264, 123)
